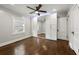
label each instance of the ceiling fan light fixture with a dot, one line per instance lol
(36, 12)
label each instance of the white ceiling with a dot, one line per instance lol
(22, 9)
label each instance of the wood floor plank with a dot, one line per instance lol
(37, 46)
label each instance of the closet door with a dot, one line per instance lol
(62, 28)
(51, 27)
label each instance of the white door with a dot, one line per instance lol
(76, 30)
(51, 27)
(62, 28)
(71, 27)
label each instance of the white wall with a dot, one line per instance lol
(6, 27)
(51, 26)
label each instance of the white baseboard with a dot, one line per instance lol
(12, 41)
(75, 50)
(70, 45)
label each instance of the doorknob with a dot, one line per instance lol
(57, 30)
(73, 33)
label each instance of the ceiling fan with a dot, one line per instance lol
(37, 9)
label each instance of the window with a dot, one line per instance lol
(18, 25)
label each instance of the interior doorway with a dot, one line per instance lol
(41, 27)
(47, 26)
(62, 28)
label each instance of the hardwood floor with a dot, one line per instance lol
(37, 46)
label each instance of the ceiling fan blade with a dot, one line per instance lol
(39, 6)
(42, 11)
(30, 8)
(32, 12)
